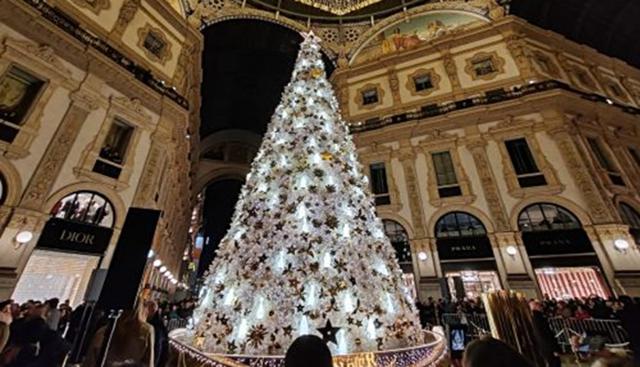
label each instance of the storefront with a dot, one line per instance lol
(68, 250)
(400, 241)
(561, 253)
(466, 258)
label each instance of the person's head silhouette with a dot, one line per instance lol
(308, 351)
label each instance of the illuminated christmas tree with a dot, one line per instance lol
(305, 253)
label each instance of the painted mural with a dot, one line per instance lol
(415, 32)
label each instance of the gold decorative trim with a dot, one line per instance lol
(497, 61)
(433, 76)
(588, 82)
(360, 100)
(96, 6)
(166, 50)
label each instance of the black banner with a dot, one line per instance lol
(61, 234)
(464, 248)
(558, 242)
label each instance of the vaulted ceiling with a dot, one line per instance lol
(610, 26)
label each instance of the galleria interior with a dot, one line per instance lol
(501, 148)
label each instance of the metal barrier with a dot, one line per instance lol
(610, 330)
(478, 323)
(176, 324)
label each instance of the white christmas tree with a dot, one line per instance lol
(305, 253)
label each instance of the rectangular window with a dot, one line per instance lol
(379, 186)
(524, 164)
(445, 175)
(605, 162)
(422, 82)
(154, 44)
(18, 92)
(484, 66)
(369, 96)
(114, 149)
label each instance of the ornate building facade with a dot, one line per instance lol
(507, 154)
(501, 155)
(98, 106)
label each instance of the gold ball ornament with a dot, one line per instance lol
(316, 73)
(326, 156)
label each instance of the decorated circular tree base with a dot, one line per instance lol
(432, 353)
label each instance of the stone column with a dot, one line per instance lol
(598, 205)
(427, 270)
(477, 147)
(407, 157)
(517, 268)
(621, 267)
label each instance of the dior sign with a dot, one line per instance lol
(71, 236)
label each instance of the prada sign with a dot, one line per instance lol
(71, 236)
(558, 242)
(464, 248)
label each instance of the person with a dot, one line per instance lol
(614, 361)
(490, 352)
(161, 335)
(131, 345)
(550, 349)
(53, 314)
(5, 323)
(630, 319)
(26, 335)
(308, 351)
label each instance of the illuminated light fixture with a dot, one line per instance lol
(24, 237)
(173, 281)
(338, 7)
(150, 254)
(422, 256)
(157, 263)
(511, 250)
(621, 244)
(163, 269)
(609, 101)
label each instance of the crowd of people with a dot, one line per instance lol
(41, 334)
(593, 307)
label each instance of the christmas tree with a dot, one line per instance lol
(305, 252)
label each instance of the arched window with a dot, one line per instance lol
(399, 239)
(85, 207)
(546, 217)
(629, 216)
(459, 224)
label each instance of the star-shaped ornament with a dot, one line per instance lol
(329, 333)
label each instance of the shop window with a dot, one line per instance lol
(459, 224)
(400, 240)
(379, 186)
(605, 162)
(631, 218)
(445, 175)
(484, 66)
(422, 82)
(85, 207)
(114, 149)
(18, 92)
(524, 164)
(154, 43)
(369, 96)
(546, 217)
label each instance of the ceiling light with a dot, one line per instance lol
(621, 244)
(157, 263)
(23, 237)
(512, 250)
(163, 269)
(422, 256)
